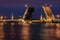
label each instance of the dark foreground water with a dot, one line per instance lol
(34, 31)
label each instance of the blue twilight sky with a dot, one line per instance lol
(18, 8)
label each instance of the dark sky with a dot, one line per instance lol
(17, 7)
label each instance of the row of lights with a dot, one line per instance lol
(4, 17)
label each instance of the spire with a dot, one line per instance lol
(41, 18)
(12, 17)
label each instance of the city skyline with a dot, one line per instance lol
(17, 7)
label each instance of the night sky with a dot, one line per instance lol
(17, 7)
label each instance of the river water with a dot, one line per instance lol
(34, 31)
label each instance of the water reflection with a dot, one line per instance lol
(1, 31)
(34, 31)
(25, 31)
(49, 32)
(58, 31)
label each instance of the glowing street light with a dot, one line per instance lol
(26, 5)
(1, 17)
(50, 5)
(58, 16)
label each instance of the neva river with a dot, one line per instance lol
(34, 31)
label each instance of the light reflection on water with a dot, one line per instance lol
(1, 31)
(35, 31)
